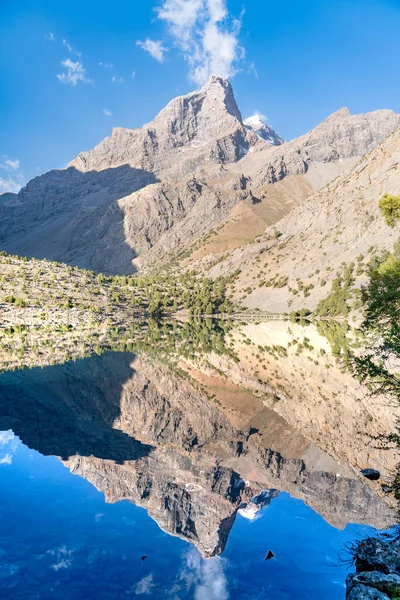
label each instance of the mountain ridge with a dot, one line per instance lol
(142, 197)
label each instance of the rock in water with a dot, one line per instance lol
(374, 579)
(375, 554)
(269, 555)
(362, 592)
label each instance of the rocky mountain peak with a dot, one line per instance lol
(202, 126)
(205, 115)
(342, 113)
(219, 87)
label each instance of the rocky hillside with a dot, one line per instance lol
(196, 178)
(292, 264)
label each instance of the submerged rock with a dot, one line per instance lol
(371, 474)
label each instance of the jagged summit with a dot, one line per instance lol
(338, 114)
(220, 91)
(202, 126)
(263, 131)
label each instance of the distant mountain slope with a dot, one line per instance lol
(143, 196)
(338, 225)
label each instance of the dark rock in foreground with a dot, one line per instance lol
(377, 576)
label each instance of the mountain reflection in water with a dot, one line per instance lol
(144, 426)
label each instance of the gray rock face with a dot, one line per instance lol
(332, 226)
(204, 126)
(8, 198)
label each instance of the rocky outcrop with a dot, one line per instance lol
(377, 576)
(340, 137)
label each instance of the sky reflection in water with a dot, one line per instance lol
(59, 539)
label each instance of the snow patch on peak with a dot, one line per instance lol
(255, 121)
(249, 512)
(256, 124)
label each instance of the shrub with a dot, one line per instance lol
(390, 209)
(335, 304)
(20, 302)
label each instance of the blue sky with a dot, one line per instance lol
(295, 62)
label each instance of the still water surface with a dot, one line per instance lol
(60, 539)
(119, 480)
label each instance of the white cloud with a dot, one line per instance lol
(8, 441)
(12, 181)
(206, 576)
(133, 74)
(6, 437)
(206, 34)
(9, 185)
(181, 17)
(106, 65)
(71, 49)
(76, 72)
(64, 557)
(115, 79)
(49, 37)
(6, 460)
(154, 48)
(12, 164)
(107, 112)
(64, 563)
(252, 69)
(261, 115)
(144, 586)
